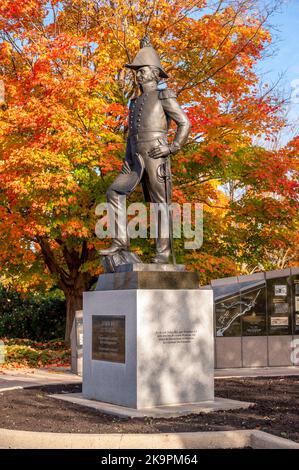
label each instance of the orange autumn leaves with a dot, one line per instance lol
(62, 134)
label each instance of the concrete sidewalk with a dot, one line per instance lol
(256, 372)
(22, 378)
(11, 439)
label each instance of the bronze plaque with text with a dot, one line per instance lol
(108, 338)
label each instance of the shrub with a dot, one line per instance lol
(35, 316)
(22, 352)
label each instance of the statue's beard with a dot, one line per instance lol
(153, 81)
(143, 81)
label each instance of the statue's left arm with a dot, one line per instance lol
(174, 112)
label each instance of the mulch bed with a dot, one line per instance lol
(276, 411)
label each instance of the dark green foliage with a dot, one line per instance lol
(36, 316)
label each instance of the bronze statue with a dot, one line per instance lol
(147, 157)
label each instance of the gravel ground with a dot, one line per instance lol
(276, 411)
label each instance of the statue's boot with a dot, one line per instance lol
(162, 251)
(117, 218)
(117, 245)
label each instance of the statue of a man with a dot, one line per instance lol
(148, 151)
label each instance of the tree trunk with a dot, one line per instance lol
(68, 275)
(74, 301)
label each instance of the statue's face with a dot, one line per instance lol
(144, 75)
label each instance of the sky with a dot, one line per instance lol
(284, 62)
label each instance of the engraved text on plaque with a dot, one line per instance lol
(108, 338)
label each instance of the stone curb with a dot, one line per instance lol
(11, 439)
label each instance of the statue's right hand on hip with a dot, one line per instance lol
(160, 151)
(164, 150)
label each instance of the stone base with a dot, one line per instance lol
(148, 276)
(170, 411)
(146, 279)
(156, 267)
(151, 347)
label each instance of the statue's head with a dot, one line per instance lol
(147, 62)
(148, 73)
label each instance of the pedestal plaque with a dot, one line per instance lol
(108, 338)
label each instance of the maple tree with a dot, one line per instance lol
(63, 127)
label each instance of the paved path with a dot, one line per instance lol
(256, 372)
(21, 378)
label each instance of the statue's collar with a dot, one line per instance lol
(149, 88)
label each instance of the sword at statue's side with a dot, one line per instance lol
(169, 209)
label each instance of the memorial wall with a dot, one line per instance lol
(269, 307)
(256, 318)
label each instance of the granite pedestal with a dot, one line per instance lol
(147, 347)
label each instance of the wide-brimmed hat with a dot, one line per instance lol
(147, 56)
